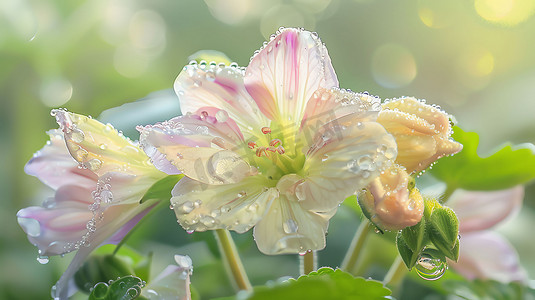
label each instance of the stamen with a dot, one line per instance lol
(251, 145)
(271, 149)
(275, 142)
(280, 149)
(266, 130)
(204, 114)
(261, 151)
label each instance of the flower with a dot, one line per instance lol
(483, 253)
(98, 176)
(275, 145)
(422, 134)
(391, 201)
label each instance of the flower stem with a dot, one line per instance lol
(307, 262)
(351, 258)
(396, 273)
(232, 260)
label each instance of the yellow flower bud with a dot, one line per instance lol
(422, 132)
(391, 201)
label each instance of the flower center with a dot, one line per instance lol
(273, 159)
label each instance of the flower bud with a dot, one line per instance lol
(422, 132)
(391, 201)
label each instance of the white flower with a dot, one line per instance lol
(275, 145)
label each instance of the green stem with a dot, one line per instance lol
(352, 255)
(396, 273)
(232, 260)
(308, 262)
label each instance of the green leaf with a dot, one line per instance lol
(124, 288)
(444, 227)
(505, 168)
(104, 265)
(414, 236)
(325, 283)
(161, 189)
(488, 289)
(101, 268)
(410, 258)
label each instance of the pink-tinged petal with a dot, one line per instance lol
(482, 210)
(54, 166)
(346, 155)
(108, 223)
(99, 147)
(172, 283)
(53, 230)
(487, 255)
(288, 228)
(390, 201)
(199, 86)
(283, 76)
(236, 206)
(209, 127)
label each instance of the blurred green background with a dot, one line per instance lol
(474, 58)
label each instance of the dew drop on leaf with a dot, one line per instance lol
(430, 268)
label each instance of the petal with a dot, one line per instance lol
(199, 86)
(345, 156)
(285, 73)
(54, 229)
(54, 166)
(482, 210)
(236, 206)
(172, 283)
(108, 224)
(100, 148)
(116, 188)
(422, 132)
(288, 228)
(487, 255)
(327, 105)
(210, 127)
(391, 203)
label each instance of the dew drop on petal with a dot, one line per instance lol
(430, 268)
(187, 207)
(42, 259)
(93, 164)
(221, 116)
(290, 226)
(77, 135)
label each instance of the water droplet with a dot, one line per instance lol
(93, 164)
(77, 135)
(187, 207)
(221, 116)
(103, 147)
(42, 259)
(290, 226)
(106, 196)
(365, 162)
(430, 268)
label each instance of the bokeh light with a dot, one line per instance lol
(506, 12)
(393, 66)
(55, 92)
